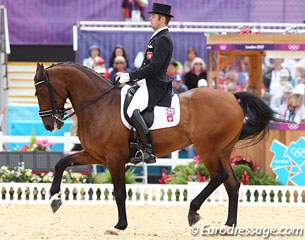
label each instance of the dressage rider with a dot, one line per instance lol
(155, 86)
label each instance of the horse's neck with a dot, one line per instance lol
(84, 89)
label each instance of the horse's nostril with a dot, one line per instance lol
(49, 127)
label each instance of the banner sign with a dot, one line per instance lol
(288, 162)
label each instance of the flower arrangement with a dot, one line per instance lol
(37, 145)
(182, 174)
(21, 174)
(245, 170)
(250, 174)
(246, 30)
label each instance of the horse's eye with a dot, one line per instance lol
(42, 93)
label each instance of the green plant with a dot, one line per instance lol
(105, 177)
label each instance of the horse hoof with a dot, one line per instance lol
(194, 219)
(55, 204)
(112, 231)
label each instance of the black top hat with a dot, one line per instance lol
(162, 9)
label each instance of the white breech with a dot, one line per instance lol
(140, 99)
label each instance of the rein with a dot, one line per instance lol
(88, 103)
(59, 113)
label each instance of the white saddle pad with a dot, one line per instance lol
(164, 116)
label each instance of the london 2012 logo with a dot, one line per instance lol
(288, 163)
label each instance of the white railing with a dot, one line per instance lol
(150, 194)
(229, 27)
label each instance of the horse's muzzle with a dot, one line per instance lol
(53, 124)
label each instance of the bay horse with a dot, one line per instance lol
(214, 121)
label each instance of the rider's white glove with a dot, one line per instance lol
(122, 77)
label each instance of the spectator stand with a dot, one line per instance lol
(273, 154)
(254, 46)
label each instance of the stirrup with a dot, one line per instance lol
(138, 157)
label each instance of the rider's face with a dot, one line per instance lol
(155, 21)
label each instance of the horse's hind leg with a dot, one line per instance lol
(218, 176)
(80, 158)
(231, 184)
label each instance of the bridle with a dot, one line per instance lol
(59, 113)
(55, 112)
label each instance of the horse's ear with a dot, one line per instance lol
(39, 72)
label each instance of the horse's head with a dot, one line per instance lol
(51, 97)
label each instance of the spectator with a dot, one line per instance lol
(242, 73)
(294, 111)
(178, 86)
(99, 66)
(119, 50)
(202, 83)
(191, 55)
(94, 51)
(284, 77)
(299, 89)
(231, 87)
(230, 82)
(171, 69)
(198, 72)
(119, 66)
(271, 78)
(252, 89)
(277, 101)
(133, 10)
(299, 73)
(292, 64)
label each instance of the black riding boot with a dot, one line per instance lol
(142, 130)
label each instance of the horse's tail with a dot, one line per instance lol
(257, 116)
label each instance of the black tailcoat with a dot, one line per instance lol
(157, 57)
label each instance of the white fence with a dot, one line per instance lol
(150, 194)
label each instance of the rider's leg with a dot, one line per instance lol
(137, 105)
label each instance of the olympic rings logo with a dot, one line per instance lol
(293, 47)
(293, 126)
(298, 152)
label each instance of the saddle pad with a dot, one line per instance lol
(164, 116)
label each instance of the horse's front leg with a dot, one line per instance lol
(80, 158)
(117, 170)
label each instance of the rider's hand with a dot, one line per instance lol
(122, 77)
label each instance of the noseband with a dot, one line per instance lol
(55, 112)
